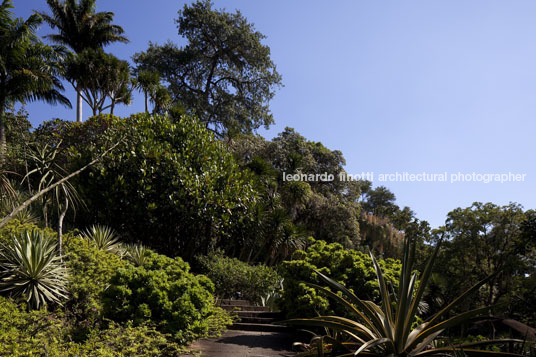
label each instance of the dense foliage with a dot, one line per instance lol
(233, 278)
(192, 180)
(388, 329)
(165, 292)
(352, 268)
(170, 306)
(486, 239)
(290, 211)
(92, 269)
(42, 333)
(224, 74)
(169, 182)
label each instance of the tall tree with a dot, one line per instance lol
(481, 240)
(292, 210)
(101, 77)
(224, 74)
(146, 82)
(81, 27)
(29, 70)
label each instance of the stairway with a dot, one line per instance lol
(253, 318)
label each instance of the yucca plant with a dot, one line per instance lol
(30, 267)
(387, 330)
(103, 237)
(9, 203)
(136, 253)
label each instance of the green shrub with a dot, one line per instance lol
(166, 293)
(16, 227)
(126, 340)
(169, 181)
(232, 276)
(40, 333)
(25, 333)
(352, 268)
(91, 271)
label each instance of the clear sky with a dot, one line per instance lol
(397, 86)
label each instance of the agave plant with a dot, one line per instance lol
(31, 267)
(9, 203)
(103, 237)
(136, 253)
(388, 330)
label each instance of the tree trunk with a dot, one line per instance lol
(112, 108)
(78, 106)
(3, 141)
(60, 225)
(146, 104)
(45, 213)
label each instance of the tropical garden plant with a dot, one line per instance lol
(103, 237)
(81, 27)
(30, 267)
(137, 254)
(44, 161)
(165, 292)
(350, 267)
(233, 278)
(29, 70)
(392, 328)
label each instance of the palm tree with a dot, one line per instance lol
(146, 82)
(80, 28)
(29, 70)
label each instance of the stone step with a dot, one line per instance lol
(257, 320)
(244, 326)
(229, 302)
(245, 308)
(273, 315)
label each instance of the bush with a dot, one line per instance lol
(169, 182)
(16, 227)
(91, 271)
(233, 278)
(40, 333)
(352, 268)
(126, 340)
(166, 293)
(26, 333)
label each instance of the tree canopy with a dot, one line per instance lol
(81, 27)
(224, 74)
(168, 184)
(29, 69)
(103, 79)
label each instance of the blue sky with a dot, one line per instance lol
(397, 86)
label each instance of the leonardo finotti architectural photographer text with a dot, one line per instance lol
(457, 177)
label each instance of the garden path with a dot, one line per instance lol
(236, 343)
